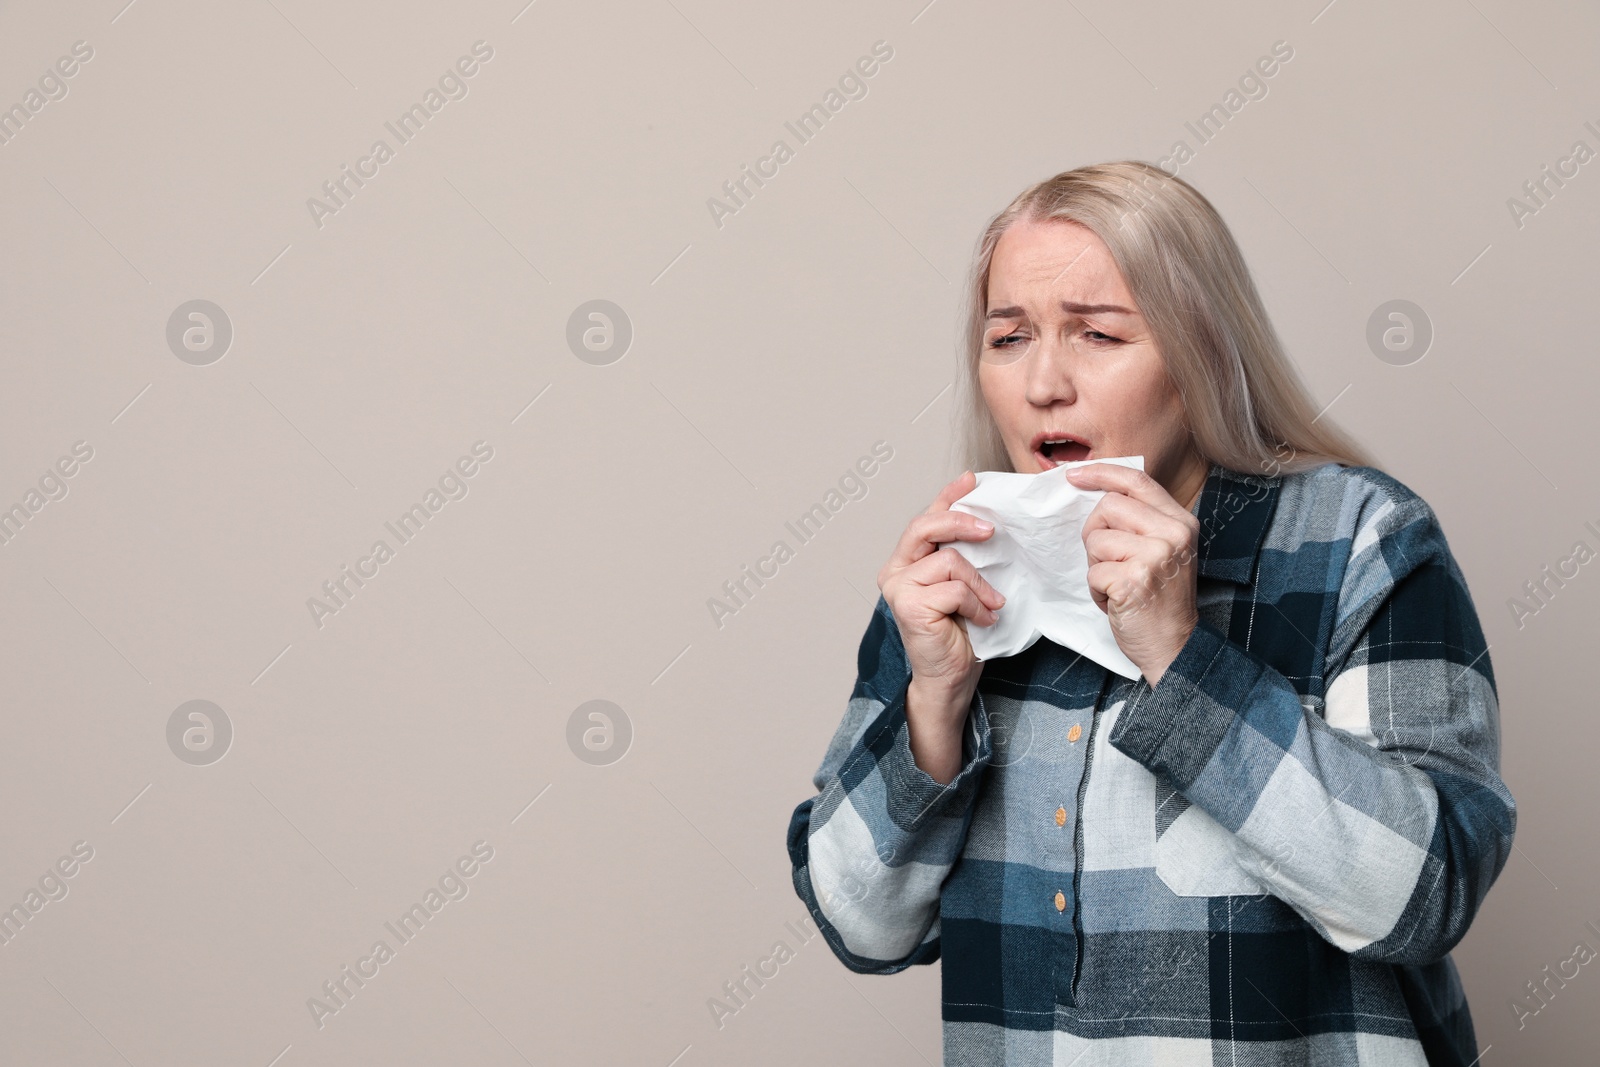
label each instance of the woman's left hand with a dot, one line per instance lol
(1142, 547)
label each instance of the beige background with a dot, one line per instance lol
(767, 357)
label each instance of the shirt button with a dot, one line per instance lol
(1061, 901)
(1061, 816)
(1075, 733)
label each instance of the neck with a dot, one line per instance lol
(1191, 482)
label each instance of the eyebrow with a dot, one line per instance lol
(1067, 306)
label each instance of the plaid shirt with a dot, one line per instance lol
(1265, 859)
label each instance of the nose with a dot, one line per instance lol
(1050, 364)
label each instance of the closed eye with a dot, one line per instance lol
(1095, 337)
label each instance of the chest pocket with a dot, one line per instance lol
(1196, 856)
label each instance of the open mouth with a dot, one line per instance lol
(1053, 451)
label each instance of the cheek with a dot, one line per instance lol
(1168, 431)
(1146, 396)
(996, 396)
(1167, 407)
(1132, 406)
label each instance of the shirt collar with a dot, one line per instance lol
(1234, 510)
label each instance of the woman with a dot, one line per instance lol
(1261, 851)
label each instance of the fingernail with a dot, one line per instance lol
(985, 525)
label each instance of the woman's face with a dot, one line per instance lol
(1066, 354)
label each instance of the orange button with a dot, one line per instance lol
(1061, 901)
(1061, 816)
(1075, 733)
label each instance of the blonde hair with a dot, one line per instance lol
(1245, 405)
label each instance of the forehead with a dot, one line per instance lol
(1042, 262)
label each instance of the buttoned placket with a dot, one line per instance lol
(1063, 809)
(1113, 687)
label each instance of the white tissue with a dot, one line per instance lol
(1036, 559)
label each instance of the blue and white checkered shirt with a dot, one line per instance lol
(1265, 859)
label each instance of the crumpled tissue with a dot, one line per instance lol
(1036, 559)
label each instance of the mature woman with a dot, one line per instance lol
(1261, 851)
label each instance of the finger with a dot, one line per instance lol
(1096, 578)
(1115, 511)
(956, 598)
(1108, 582)
(917, 541)
(1105, 544)
(1130, 585)
(926, 532)
(1113, 545)
(1135, 484)
(953, 566)
(960, 487)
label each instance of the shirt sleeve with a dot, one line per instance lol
(871, 850)
(1383, 820)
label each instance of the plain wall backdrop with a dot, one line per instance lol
(419, 336)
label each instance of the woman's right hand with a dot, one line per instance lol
(927, 588)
